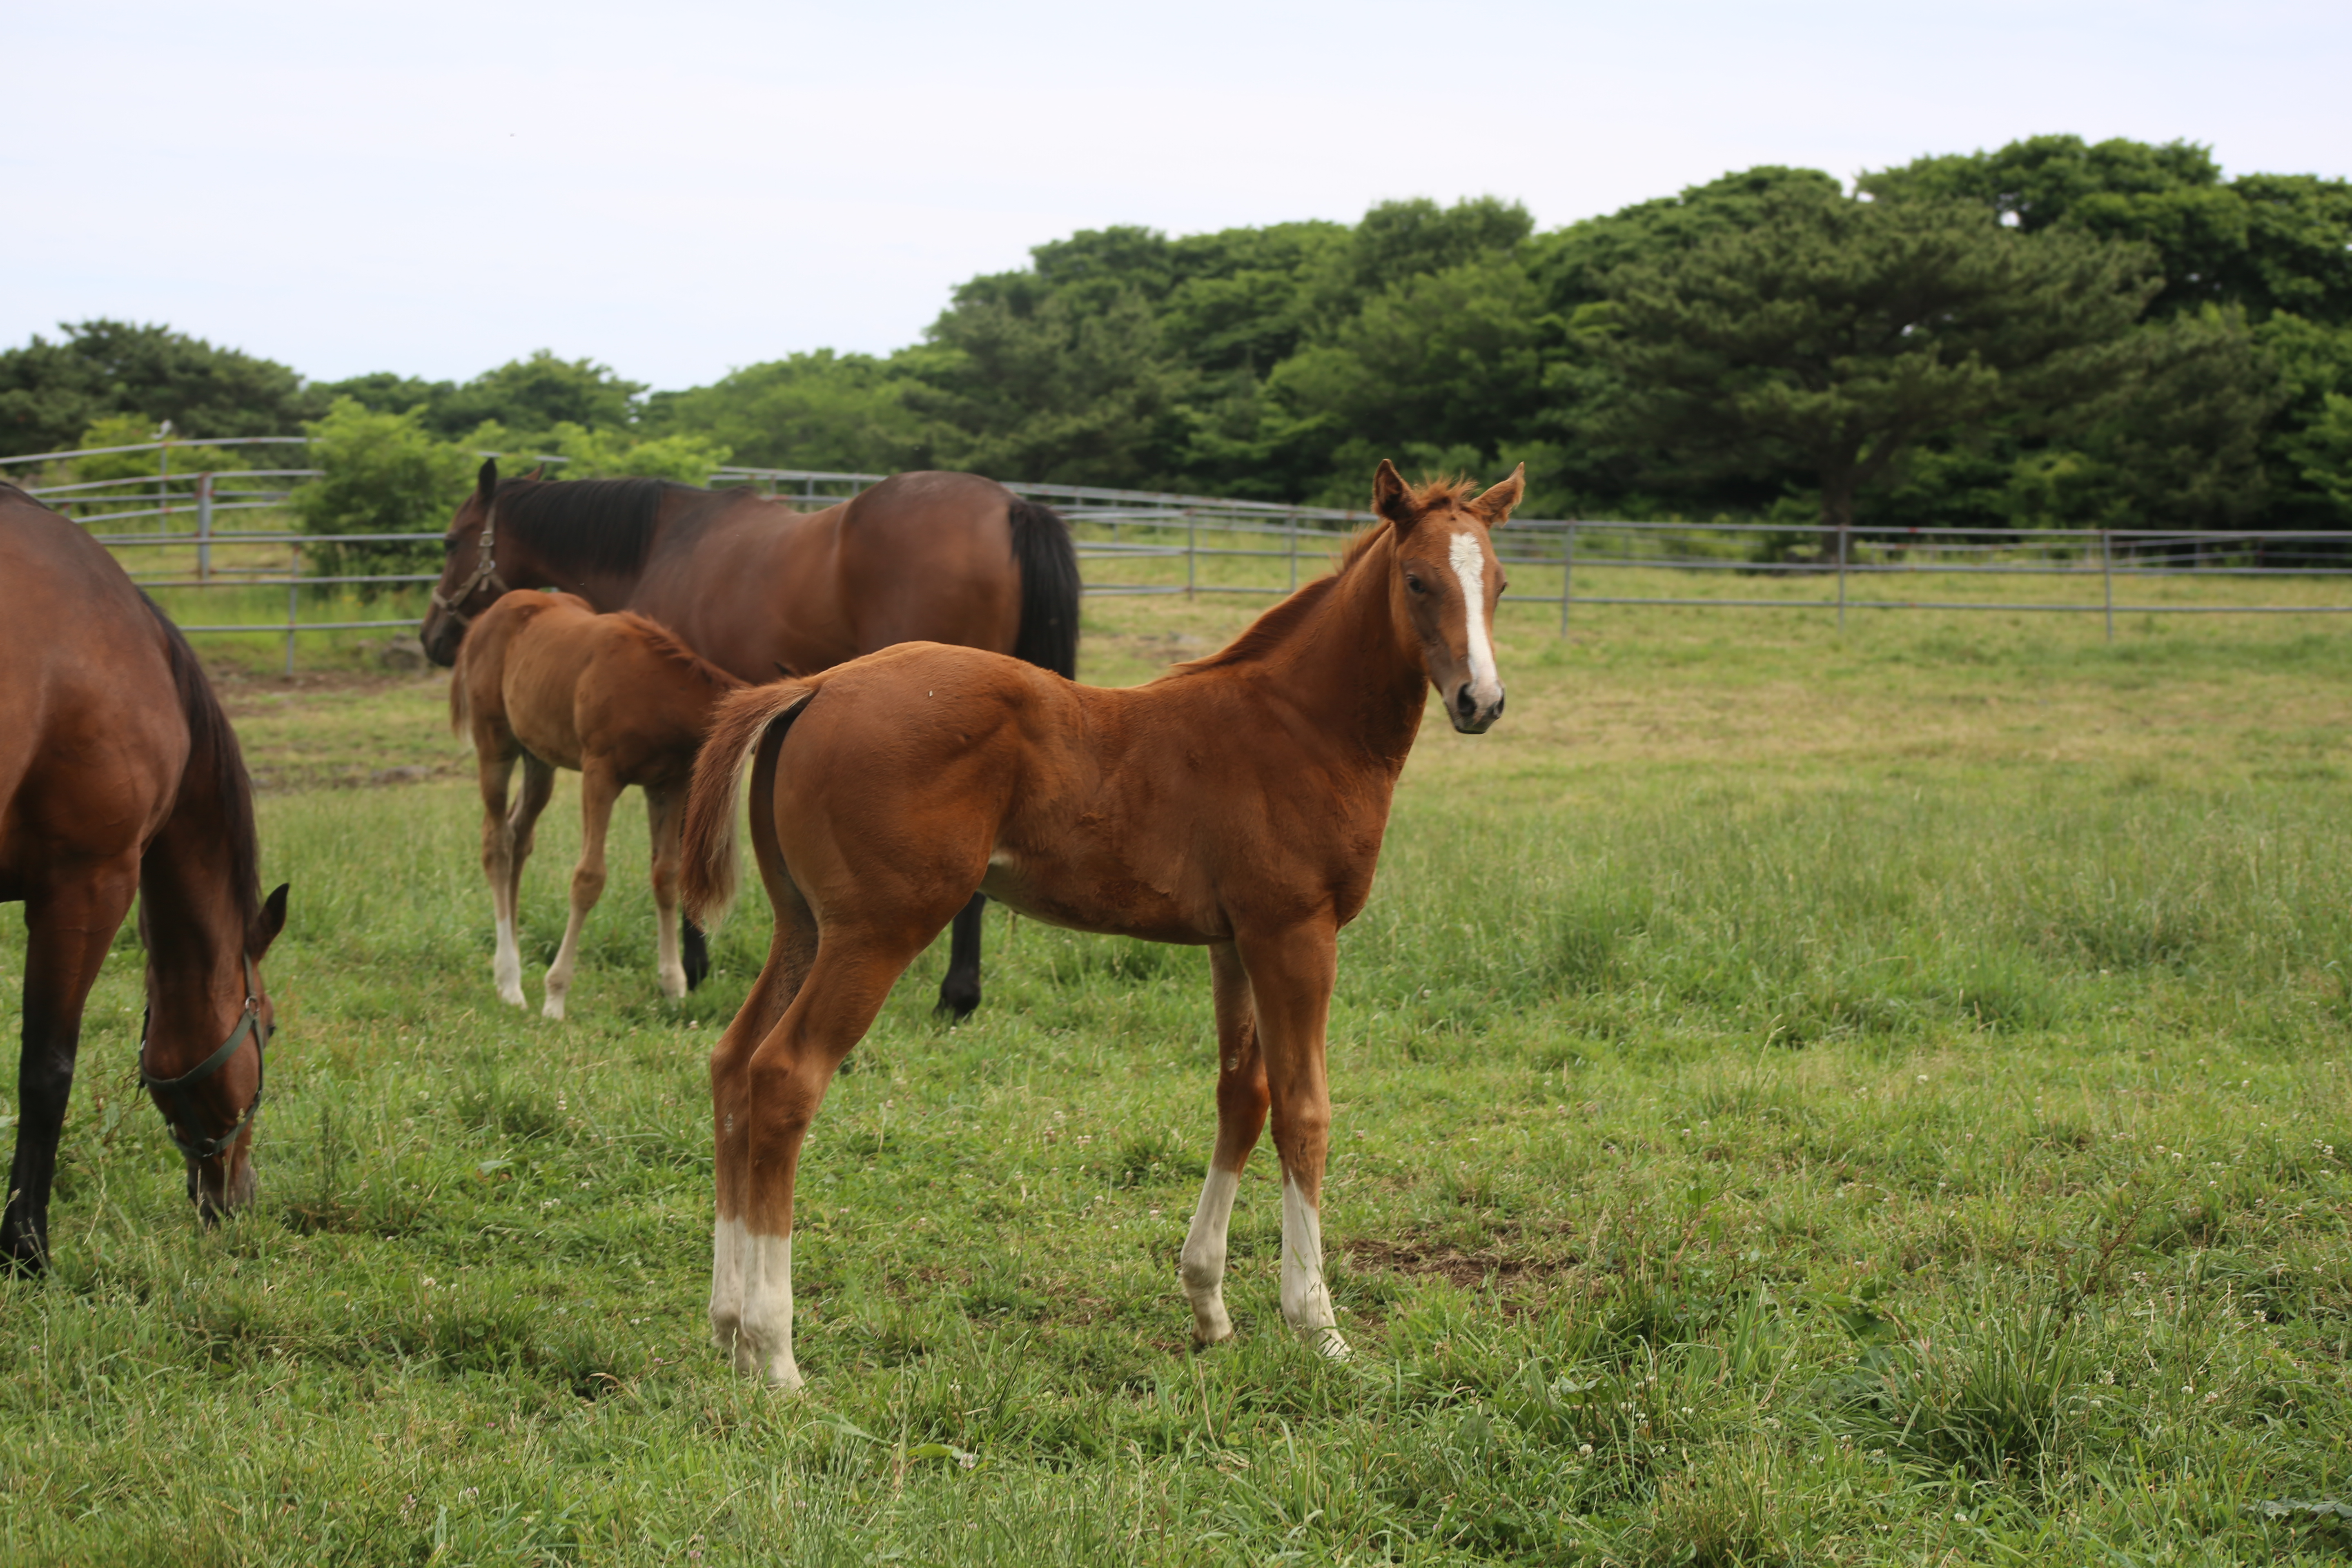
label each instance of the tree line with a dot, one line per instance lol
(2058, 333)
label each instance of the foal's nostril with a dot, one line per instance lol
(1466, 704)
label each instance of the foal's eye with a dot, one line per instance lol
(1413, 584)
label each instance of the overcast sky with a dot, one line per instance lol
(676, 189)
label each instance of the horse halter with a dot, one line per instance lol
(176, 1091)
(486, 573)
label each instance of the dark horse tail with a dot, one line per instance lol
(1049, 587)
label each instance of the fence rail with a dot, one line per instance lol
(1140, 543)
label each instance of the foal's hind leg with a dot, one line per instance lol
(665, 816)
(598, 790)
(521, 829)
(783, 1083)
(790, 950)
(494, 768)
(1241, 1116)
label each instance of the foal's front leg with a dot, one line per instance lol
(1290, 975)
(598, 790)
(1241, 1116)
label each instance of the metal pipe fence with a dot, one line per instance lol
(1137, 542)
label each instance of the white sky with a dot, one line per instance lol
(679, 188)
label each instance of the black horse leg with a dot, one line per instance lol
(960, 989)
(694, 950)
(66, 939)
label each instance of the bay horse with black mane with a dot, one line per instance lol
(544, 680)
(1237, 802)
(761, 590)
(120, 774)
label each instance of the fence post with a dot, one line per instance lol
(2107, 573)
(1567, 575)
(203, 527)
(1841, 549)
(293, 601)
(1191, 552)
(1294, 552)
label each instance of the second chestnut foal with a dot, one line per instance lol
(1236, 802)
(544, 680)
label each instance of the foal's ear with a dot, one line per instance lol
(273, 919)
(537, 473)
(1391, 499)
(486, 482)
(1493, 508)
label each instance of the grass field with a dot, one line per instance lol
(1799, 1100)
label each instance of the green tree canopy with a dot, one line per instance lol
(531, 395)
(840, 412)
(1835, 332)
(1962, 347)
(51, 391)
(2263, 242)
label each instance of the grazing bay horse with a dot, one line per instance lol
(761, 590)
(1237, 802)
(120, 774)
(544, 680)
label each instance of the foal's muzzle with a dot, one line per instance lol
(1470, 716)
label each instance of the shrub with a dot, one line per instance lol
(383, 473)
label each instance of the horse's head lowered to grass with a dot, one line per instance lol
(1448, 583)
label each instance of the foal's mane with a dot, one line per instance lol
(212, 744)
(587, 525)
(1273, 628)
(663, 641)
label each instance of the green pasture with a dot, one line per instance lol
(1800, 1100)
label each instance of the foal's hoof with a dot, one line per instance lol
(1210, 1327)
(553, 1007)
(1326, 1343)
(957, 1002)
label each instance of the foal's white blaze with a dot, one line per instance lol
(1202, 1265)
(1305, 1300)
(1469, 564)
(752, 1301)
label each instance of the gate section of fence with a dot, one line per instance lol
(2036, 571)
(199, 521)
(176, 528)
(1145, 541)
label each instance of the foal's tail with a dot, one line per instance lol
(1048, 636)
(742, 722)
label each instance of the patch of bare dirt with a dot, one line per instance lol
(1468, 1270)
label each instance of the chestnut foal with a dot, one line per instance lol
(1236, 801)
(544, 680)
